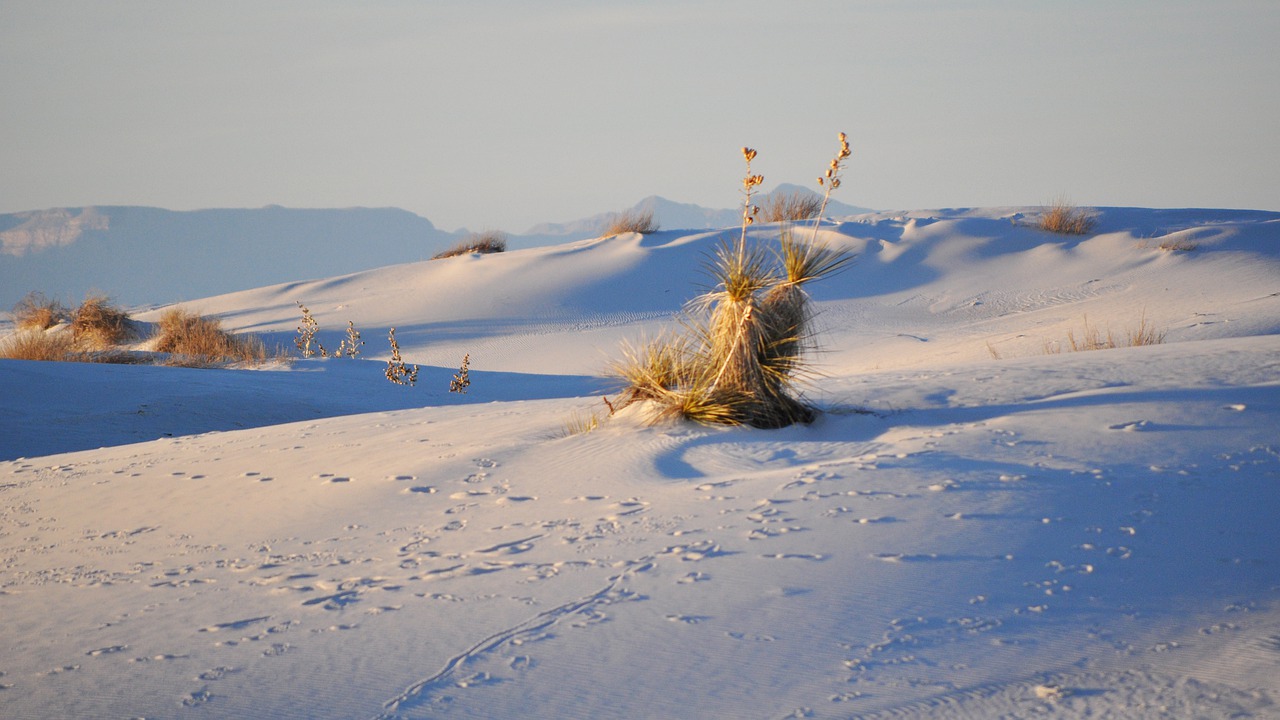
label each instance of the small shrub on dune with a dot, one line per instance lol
(37, 312)
(99, 325)
(306, 336)
(36, 344)
(397, 371)
(197, 341)
(632, 221)
(791, 207)
(491, 241)
(1064, 218)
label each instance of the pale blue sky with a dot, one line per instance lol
(505, 113)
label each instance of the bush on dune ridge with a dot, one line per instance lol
(491, 241)
(634, 220)
(1064, 218)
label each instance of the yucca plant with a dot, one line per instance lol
(739, 365)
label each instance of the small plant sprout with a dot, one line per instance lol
(462, 379)
(351, 344)
(307, 335)
(397, 372)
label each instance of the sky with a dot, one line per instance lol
(501, 114)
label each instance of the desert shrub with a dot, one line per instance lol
(197, 341)
(37, 312)
(462, 379)
(397, 372)
(491, 241)
(741, 359)
(99, 325)
(791, 207)
(36, 344)
(1062, 217)
(306, 336)
(634, 220)
(351, 344)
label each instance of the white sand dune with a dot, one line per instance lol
(973, 528)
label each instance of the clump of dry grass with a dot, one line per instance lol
(36, 344)
(490, 241)
(1092, 338)
(99, 325)
(634, 220)
(791, 207)
(1063, 217)
(196, 341)
(37, 312)
(739, 365)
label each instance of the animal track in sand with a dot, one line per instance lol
(110, 650)
(331, 478)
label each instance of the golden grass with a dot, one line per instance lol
(99, 325)
(490, 241)
(37, 312)
(1064, 218)
(36, 344)
(1092, 338)
(192, 340)
(791, 207)
(632, 221)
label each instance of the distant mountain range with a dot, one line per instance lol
(673, 216)
(142, 256)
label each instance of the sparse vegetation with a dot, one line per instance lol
(490, 241)
(350, 345)
(1063, 217)
(629, 221)
(740, 362)
(99, 325)
(1091, 338)
(791, 207)
(36, 344)
(462, 379)
(37, 312)
(306, 336)
(397, 372)
(196, 341)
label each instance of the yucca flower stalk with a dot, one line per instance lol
(831, 180)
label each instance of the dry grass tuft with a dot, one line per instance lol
(1064, 218)
(793, 207)
(36, 344)
(37, 312)
(491, 241)
(196, 341)
(653, 367)
(99, 325)
(1091, 338)
(632, 221)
